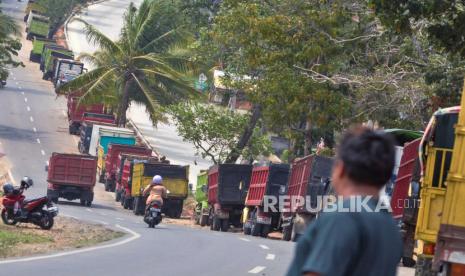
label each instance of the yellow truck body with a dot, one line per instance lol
(100, 160)
(177, 186)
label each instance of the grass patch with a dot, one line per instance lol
(107, 235)
(11, 237)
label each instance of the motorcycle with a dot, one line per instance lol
(39, 211)
(2, 83)
(153, 214)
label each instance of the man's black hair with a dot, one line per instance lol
(368, 156)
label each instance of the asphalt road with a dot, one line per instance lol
(164, 138)
(33, 124)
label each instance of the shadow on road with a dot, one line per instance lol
(14, 133)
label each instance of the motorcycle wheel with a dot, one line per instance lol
(46, 221)
(6, 219)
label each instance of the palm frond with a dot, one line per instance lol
(83, 80)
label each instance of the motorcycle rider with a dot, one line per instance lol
(155, 191)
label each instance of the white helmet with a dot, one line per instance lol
(157, 179)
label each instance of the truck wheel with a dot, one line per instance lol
(287, 233)
(88, 203)
(54, 200)
(247, 230)
(424, 266)
(265, 230)
(83, 202)
(408, 262)
(126, 203)
(256, 229)
(216, 224)
(224, 225)
(203, 220)
(117, 195)
(134, 205)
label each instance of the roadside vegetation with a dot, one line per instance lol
(26, 240)
(9, 44)
(308, 68)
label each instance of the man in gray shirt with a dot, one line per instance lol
(354, 238)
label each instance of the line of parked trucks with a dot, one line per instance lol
(426, 192)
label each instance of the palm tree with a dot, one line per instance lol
(145, 64)
(9, 44)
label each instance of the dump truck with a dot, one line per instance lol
(37, 25)
(267, 182)
(124, 181)
(38, 46)
(35, 7)
(102, 150)
(46, 52)
(111, 161)
(76, 113)
(201, 214)
(71, 176)
(85, 130)
(227, 189)
(439, 227)
(309, 179)
(65, 70)
(50, 57)
(175, 179)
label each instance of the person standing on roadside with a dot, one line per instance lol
(361, 241)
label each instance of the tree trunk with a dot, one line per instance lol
(246, 135)
(308, 137)
(124, 105)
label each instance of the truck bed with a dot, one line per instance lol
(269, 180)
(72, 169)
(228, 184)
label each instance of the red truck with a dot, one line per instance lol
(309, 178)
(111, 161)
(71, 176)
(123, 179)
(76, 113)
(267, 183)
(227, 189)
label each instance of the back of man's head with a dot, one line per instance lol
(367, 156)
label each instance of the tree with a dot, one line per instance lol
(214, 131)
(9, 45)
(145, 64)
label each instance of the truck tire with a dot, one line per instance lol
(256, 229)
(224, 226)
(117, 195)
(265, 230)
(203, 220)
(83, 202)
(247, 229)
(287, 233)
(88, 203)
(134, 205)
(216, 224)
(424, 266)
(126, 203)
(408, 262)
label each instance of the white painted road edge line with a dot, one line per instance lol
(25, 100)
(34, 129)
(28, 108)
(244, 239)
(257, 269)
(133, 236)
(119, 219)
(38, 141)
(31, 119)
(264, 246)
(270, 257)
(42, 152)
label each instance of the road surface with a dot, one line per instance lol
(164, 137)
(33, 124)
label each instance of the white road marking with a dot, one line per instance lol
(244, 239)
(270, 257)
(100, 222)
(34, 129)
(102, 214)
(257, 269)
(38, 141)
(42, 152)
(120, 219)
(264, 246)
(25, 100)
(28, 108)
(69, 216)
(31, 119)
(89, 210)
(133, 236)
